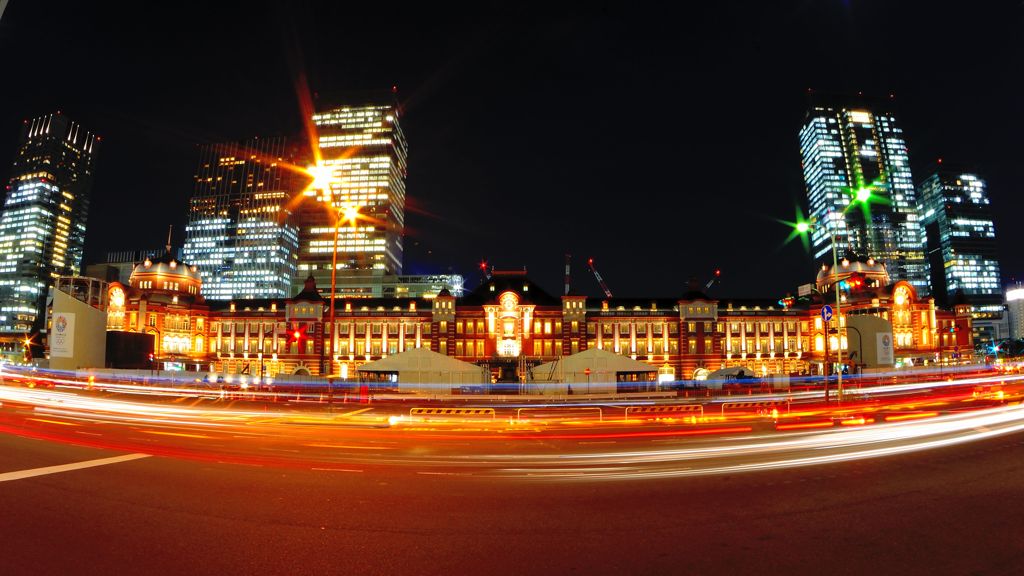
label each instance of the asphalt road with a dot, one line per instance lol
(953, 510)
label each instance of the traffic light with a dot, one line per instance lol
(853, 283)
(296, 335)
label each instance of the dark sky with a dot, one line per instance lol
(661, 143)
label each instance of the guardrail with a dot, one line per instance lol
(759, 407)
(670, 409)
(452, 412)
(600, 412)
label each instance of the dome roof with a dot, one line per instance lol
(167, 266)
(871, 267)
(166, 273)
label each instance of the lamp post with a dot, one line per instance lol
(322, 176)
(863, 195)
(804, 228)
(346, 213)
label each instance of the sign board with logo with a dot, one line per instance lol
(62, 340)
(884, 349)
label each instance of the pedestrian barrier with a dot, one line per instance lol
(760, 407)
(666, 409)
(452, 412)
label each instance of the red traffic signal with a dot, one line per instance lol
(296, 335)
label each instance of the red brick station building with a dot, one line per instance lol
(509, 324)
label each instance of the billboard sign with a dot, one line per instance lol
(885, 353)
(62, 340)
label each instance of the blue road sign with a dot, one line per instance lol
(826, 313)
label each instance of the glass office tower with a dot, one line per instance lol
(961, 239)
(860, 190)
(42, 229)
(362, 166)
(240, 233)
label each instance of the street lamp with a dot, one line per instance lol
(348, 213)
(803, 227)
(323, 176)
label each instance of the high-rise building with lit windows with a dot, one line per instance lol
(960, 239)
(240, 233)
(42, 229)
(362, 166)
(859, 187)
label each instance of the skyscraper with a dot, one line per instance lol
(960, 239)
(240, 233)
(860, 189)
(42, 229)
(362, 166)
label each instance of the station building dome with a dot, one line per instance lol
(166, 274)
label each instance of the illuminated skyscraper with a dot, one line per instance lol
(42, 229)
(860, 189)
(362, 166)
(240, 233)
(960, 239)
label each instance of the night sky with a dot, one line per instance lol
(661, 143)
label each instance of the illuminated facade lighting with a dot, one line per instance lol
(961, 239)
(362, 168)
(240, 233)
(42, 229)
(1015, 309)
(860, 189)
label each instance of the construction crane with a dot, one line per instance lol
(607, 292)
(714, 279)
(484, 270)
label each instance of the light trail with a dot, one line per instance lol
(559, 446)
(833, 446)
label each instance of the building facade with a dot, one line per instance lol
(163, 298)
(240, 233)
(360, 169)
(510, 325)
(42, 228)
(1015, 311)
(960, 238)
(860, 190)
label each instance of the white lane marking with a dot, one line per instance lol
(7, 476)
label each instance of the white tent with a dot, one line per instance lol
(422, 370)
(732, 373)
(570, 373)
